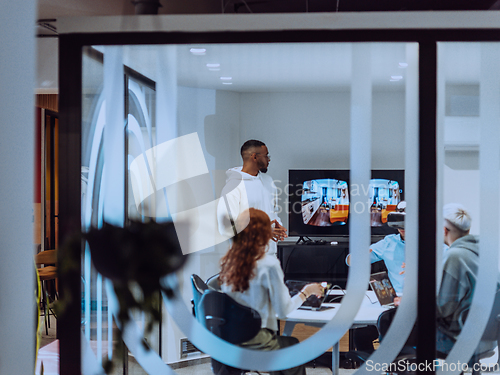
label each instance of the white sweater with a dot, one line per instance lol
(243, 191)
(267, 293)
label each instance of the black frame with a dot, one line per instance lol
(70, 75)
(296, 177)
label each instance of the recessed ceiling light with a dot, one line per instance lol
(213, 65)
(226, 78)
(227, 83)
(397, 77)
(403, 65)
(198, 51)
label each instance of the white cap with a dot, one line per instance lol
(456, 214)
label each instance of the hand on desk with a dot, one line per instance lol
(279, 231)
(313, 288)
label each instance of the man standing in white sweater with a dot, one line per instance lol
(247, 187)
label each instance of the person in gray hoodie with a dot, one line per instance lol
(249, 186)
(460, 267)
(458, 282)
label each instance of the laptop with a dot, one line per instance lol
(382, 286)
(313, 302)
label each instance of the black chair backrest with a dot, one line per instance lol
(213, 282)
(199, 287)
(226, 318)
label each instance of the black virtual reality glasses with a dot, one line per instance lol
(396, 220)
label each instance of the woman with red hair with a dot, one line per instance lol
(255, 279)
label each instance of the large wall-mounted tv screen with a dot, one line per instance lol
(319, 200)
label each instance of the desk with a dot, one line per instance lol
(367, 315)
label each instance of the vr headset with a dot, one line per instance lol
(396, 219)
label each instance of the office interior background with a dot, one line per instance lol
(304, 127)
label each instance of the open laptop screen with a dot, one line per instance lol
(382, 286)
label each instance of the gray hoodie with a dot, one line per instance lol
(457, 285)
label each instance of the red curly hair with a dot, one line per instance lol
(249, 245)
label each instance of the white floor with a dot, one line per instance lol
(203, 368)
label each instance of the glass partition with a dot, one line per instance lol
(468, 118)
(161, 125)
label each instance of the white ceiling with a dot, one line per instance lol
(306, 67)
(256, 67)
(269, 67)
(47, 75)
(253, 67)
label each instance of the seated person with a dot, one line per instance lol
(391, 250)
(461, 262)
(459, 278)
(255, 279)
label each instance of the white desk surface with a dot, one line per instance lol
(367, 314)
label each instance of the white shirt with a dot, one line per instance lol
(243, 191)
(267, 293)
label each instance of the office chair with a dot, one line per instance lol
(229, 320)
(199, 287)
(213, 282)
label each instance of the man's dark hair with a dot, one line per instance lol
(249, 144)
